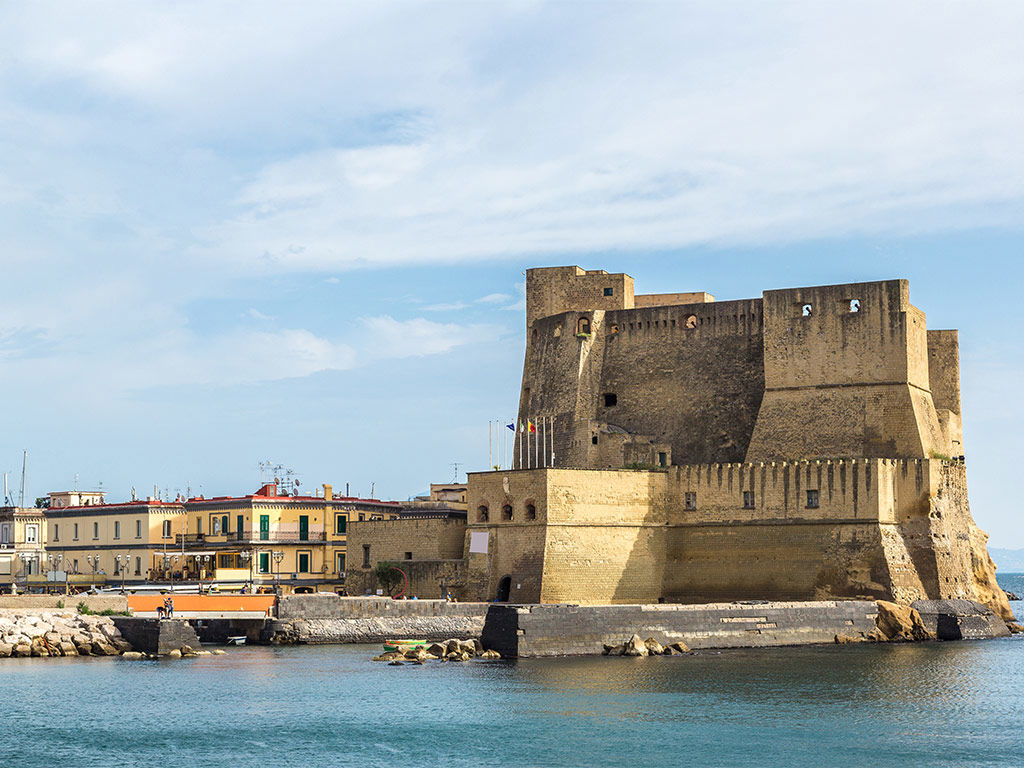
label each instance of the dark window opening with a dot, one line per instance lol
(408, 555)
(594, 439)
(366, 555)
(662, 459)
(533, 334)
(506, 512)
(341, 524)
(691, 500)
(812, 499)
(482, 513)
(531, 512)
(610, 400)
(609, 291)
(748, 499)
(583, 325)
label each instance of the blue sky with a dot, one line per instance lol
(235, 232)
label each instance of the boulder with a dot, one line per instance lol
(218, 652)
(174, 654)
(133, 655)
(846, 639)
(389, 656)
(21, 650)
(654, 648)
(900, 623)
(5, 650)
(635, 647)
(67, 648)
(110, 631)
(1014, 627)
(451, 646)
(186, 649)
(84, 649)
(478, 646)
(680, 647)
(34, 630)
(396, 663)
(52, 637)
(467, 646)
(612, 650)
(490, 655)
(437, 649)
(105, 649)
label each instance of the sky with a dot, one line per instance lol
(242, 232)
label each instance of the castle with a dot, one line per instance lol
(802, 445)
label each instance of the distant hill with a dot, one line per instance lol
(1008, 560)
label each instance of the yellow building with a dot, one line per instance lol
(89, 542)
(22, 540)
(266, 538)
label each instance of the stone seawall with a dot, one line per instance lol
(332, 619)
(573, 630)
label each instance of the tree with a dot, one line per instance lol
(388, 576)
(43, 502)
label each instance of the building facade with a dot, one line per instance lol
(22, 547)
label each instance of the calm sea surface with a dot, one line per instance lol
(935, 704)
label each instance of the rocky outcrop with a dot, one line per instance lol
(450, 650)
(49, 634)
(899, 623)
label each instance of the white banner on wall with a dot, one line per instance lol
(478, 542)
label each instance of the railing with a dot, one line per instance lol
(285, 537)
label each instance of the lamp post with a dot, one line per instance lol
(278, 557)
(122, 567)
(55, 561)
(94, 563)
(246, 557)
(167, 567)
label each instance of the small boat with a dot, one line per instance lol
(404, 645)
(236, 640)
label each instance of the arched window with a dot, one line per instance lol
(583, 325)
(506, 512)
(691, 321)
(482, 513)
(531, 511)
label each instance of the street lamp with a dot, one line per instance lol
(246, 556)
(278, 557)
(121, 567)
(201, 562)
(167, 567)
(55, 561)
(94, 561)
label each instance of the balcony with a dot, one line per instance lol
(246, 537)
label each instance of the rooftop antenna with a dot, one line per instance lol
(76, 481)
(455, 467)
(24, 468)
(371, 489)
(7, 497)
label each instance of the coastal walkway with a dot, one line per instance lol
(205, 606)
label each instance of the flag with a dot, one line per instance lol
(522, 428)
(511, 426)
(533, 427)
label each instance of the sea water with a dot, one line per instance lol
(930, 704)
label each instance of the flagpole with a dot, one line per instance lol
(552, 441)
(536, 447)
(490, 453)
(520, 436)
(544, 439)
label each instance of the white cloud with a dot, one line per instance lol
(493, 298)
(419, 336)
(255, 314)
(448, 307)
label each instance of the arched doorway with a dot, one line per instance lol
(504, 589)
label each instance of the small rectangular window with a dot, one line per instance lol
(56, 532)
(362, 517)
(138, 566)
(812, 499)
(264, 562)
(593, 439)
(662, 459)
(691, 500)
(748, 499)
(610, 400)
(199, 526)
(95, 530)
(117, 529)
(366, 555)
(138, 529)
(167, 529)
(76, 531)
(408, 555)
(303, 562)
(609, 291)
(339, 563)
(340, 524)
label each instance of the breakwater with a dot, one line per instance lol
(316, 619)
(42, 633)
